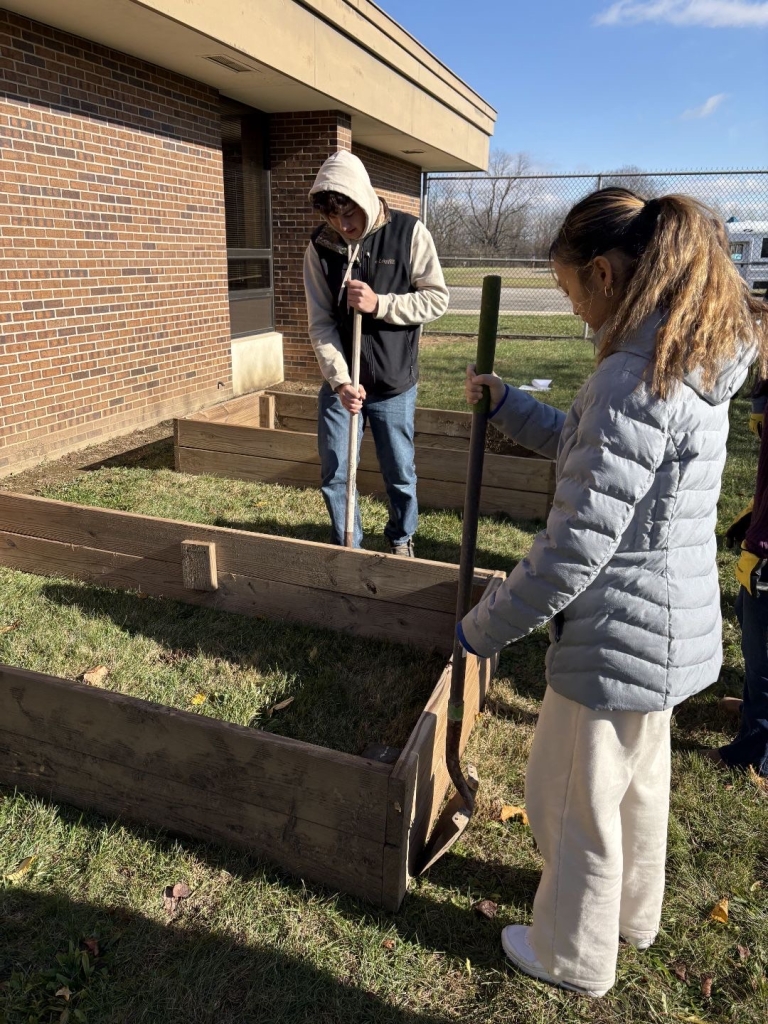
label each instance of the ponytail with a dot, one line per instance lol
(678, 261)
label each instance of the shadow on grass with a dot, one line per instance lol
(199, 974)
(155, 455)
(182, 973)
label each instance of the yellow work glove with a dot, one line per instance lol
(737, 531)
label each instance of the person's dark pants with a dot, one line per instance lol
(750, 748)
(391, 421)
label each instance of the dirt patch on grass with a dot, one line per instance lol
(151, 447)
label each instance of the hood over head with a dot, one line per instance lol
(346, 174)
(729, 379)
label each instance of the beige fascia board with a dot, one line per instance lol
(288, 35)
(372, 28)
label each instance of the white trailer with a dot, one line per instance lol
(749, 251)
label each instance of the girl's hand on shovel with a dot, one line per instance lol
(352, 399)
(473, 387)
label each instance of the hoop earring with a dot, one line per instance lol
(608, 295)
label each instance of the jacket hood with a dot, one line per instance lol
(728, 381)
(346, 174)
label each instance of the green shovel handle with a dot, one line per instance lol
(486, 336)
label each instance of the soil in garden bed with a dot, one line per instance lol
(311, 684)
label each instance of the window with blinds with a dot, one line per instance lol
(248, 219)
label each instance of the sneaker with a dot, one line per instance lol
(403, 550)
(639, 944)
(514, 940)
(731, 705)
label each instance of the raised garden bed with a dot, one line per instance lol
(348, 821)
(272, 437)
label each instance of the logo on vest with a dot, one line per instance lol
(388, 262)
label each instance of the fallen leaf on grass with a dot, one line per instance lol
(509, 811)
(719, 912)
(756, 886)
(388, 944)
(706, 986)
(281, 706)
(486, 908)
(64, 992)
(680, 971)
(10, 629)
(173, 895)
(21, 869)
(758, 781)
(198, 698)
(92, 946)
(96, 676)
(744, 953)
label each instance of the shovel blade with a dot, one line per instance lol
(449, 827)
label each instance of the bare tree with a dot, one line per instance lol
(634, 179)
(495, 203)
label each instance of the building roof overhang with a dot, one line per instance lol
(294, 55)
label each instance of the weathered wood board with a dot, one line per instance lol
(237, 440)
(347, 822)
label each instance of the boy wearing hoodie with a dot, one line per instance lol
(397, 284)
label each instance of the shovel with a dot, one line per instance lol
(349, 517)
(457, 813)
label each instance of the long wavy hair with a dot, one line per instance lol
(677, 260)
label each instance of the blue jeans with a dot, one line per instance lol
(391, 421)
(751, 745)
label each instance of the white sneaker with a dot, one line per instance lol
(641, 944)
(514, 940)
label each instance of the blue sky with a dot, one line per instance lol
(598, 84)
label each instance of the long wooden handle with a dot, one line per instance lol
(349, 518)
(486, 352)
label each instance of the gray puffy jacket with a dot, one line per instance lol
(626, 567)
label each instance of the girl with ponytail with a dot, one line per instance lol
(625, 571)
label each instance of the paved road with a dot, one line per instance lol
(513, 300)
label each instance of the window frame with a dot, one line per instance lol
(229, 109)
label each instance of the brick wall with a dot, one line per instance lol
(113, 295)
(299, 144)
(395, 180)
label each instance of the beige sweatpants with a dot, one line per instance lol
(597, 796)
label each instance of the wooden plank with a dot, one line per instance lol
(267, 412)
(503, 471)
(273, 772)
(294, 423)
(242, 410)
(431, 493)
(446, 422)
(427, 742)
(419, 583)
(196, 776)
(401, 807)
(198, 565)
(245, 595)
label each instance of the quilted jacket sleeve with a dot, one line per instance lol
(605, 469)
(529, 422)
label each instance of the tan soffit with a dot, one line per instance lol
(299, 55)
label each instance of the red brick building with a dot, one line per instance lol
(155, 160)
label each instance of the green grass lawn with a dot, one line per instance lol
(511, 277)
(554, 325)
(84, 928)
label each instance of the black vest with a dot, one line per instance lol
(389, 360)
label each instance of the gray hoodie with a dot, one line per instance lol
(346, 174)
(625, 571)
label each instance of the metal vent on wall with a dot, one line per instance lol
(230, 62)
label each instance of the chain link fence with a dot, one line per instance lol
(484, 224)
